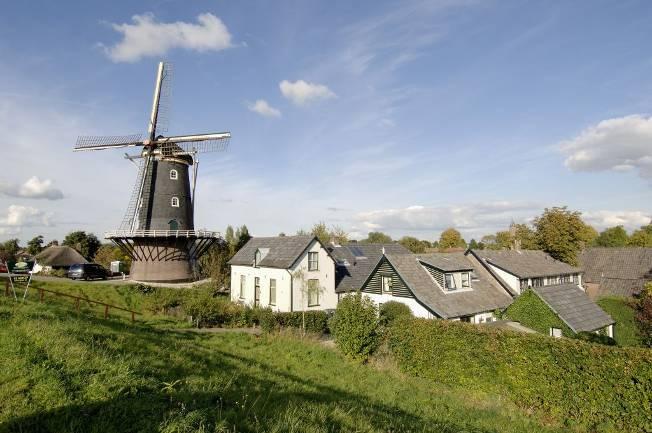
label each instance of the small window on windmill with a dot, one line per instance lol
(174, 201)
(174, 175)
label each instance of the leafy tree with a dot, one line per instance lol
(612, 237)
(53, 242)
(474, 245)
(242, 236)
(644, 315)
(355, 326)
(451, 238)
(35, 245)
(86, 243)
(377, 238)
(413, 244)
(320, 231)
(214, 264)
(525, 236)
(9, 249)
(108, 253)
(641, 237)
(339, 235)
(562, 233)
(229, 237)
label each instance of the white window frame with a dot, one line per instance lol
(174, 201)
(468, 280)
(313, 261)
(384, 286)
(313, 290)
(243, 283)
(452, 287)
(174, 175)
(272, 290)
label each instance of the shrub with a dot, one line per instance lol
(267, 320)
(316, 321)
(61, 273)
(644, 315)
(392, 310)
(565, 379)
(355, 326)
(595, 338)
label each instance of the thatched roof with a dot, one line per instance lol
(59, 256)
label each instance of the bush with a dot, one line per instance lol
(392, 310)
(267, 320)
(592, 337)
(61, 273)
(355, 326)
(644, 315)
(316, 321)
(568, 380)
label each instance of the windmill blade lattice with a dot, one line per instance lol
(99, 142)
(163, 112)
(195, 146)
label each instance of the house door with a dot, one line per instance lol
(257, 292)
(174, 224)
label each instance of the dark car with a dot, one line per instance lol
(87, 271)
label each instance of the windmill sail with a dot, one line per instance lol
(99, 142)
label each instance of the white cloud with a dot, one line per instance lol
(619, 144)
(471, 219)
(148, 38)
(264, 109)
(631, 220)
(302, 92)
(18, 217)
(32, 188)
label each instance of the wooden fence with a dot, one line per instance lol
(77, 299)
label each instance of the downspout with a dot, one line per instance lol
(291, 291)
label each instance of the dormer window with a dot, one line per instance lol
(466, 280)
(450, 282)
(174, 175)
(174, 202)
(257, 258)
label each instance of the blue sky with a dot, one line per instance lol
(404, 117)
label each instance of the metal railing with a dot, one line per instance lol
(161, 233)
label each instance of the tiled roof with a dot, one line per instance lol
(447, 262)
(618, 271)
(354, 262)
(484, 296)
(282, 252)
(526, 263)
(574, 307)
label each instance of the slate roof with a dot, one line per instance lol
(618, 271)
(282, 252)
(526, 263)
(59, 256)
(447, 262)
(574, 307)
(354, 262)
(484, 296)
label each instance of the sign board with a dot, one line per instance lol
(20, 275)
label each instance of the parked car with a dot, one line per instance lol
(87, 271)
(3, 269)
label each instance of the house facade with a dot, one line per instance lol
(444, 286)
(286, 273)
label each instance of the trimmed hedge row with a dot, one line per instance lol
(594, 386)
(207, 310)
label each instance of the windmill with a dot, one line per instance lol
(158, 231)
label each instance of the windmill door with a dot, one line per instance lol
(256, 292)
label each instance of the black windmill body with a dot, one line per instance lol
(158, 230)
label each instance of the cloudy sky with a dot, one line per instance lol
(404, 117)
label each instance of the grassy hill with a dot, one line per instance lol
(63, 372)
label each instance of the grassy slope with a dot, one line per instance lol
(63, 372)
(626, 332)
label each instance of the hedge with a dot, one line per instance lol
(568, 380)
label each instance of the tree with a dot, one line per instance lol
(413, 244)
(108, 253)
(306, 288)
(641, 237)
(214, 264)
(86, 244)
(325, 235)
(339, 235)
(242, 236)
(377, 238)
(562, 233)
(229, 237)
(451, 238)
(320, 231)
(612, 237)
(523, 237)
(9, 249)
(644, 315)
(53, 242)
(474, 245)
(35, 245)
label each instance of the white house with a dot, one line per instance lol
(285, 273)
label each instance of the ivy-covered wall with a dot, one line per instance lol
(531, 311)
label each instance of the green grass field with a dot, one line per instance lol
(620, 309)
(68, 372)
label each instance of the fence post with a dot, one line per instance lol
(106, 311)
(41, 294)
(77, 304)
(133, 317)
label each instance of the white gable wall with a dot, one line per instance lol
(511, 279)
(289, 296)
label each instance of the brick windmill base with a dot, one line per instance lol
(163, 256)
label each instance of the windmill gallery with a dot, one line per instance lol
(158, 230)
